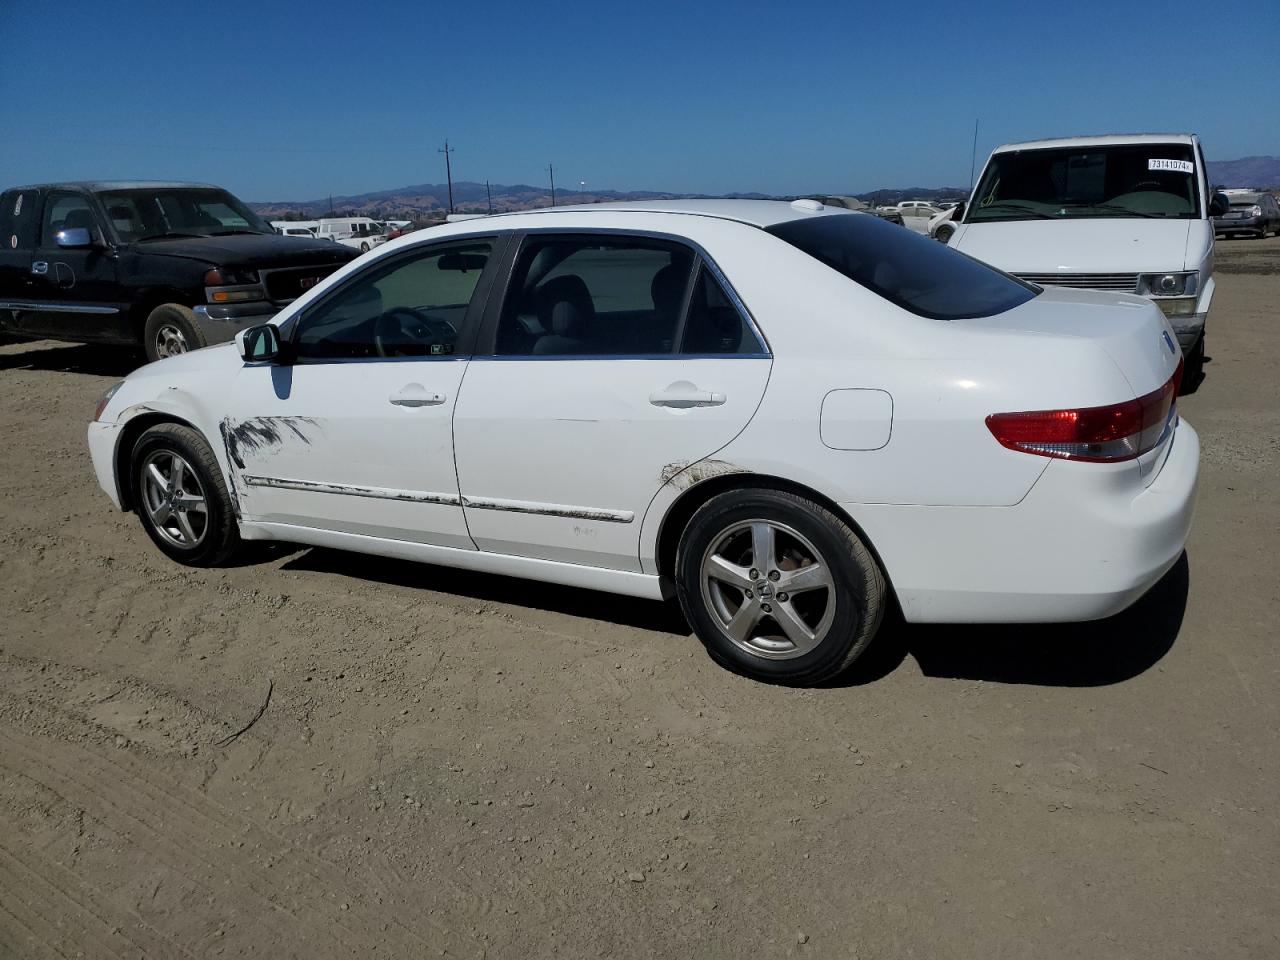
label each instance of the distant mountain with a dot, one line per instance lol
(432, 199)
(1246, 172)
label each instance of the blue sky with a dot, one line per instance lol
(295, 100)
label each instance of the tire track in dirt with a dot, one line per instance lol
(303, 899)
(81, 920)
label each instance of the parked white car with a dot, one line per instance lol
(1129, 213)
(296, 228)
(777, 412)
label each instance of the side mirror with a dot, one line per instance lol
(1219, 205)
(260, 344)
(74, 238)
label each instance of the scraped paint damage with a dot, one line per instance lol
(259, 434)
(682, 474)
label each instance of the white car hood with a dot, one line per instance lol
(1096, 245)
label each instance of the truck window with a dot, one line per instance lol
(65, 211)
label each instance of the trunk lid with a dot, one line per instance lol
(1130, 329)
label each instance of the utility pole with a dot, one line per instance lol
(488, 194)
(448, 171)
(331, 204)
(552, 170)
(973, 157)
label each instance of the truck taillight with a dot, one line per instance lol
(1109, 434)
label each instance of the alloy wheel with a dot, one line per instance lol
(769, 589)
(170, 341)
(174, 499)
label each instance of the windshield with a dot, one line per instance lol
(918, 274)
(1247, 200)
(1126, 180)
(179, 211)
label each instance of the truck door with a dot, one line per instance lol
(75, 289)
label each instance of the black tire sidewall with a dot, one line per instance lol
(215, 544)
(853, 611)
(181, 317)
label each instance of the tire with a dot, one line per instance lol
(839, 618)
(172, 519)
(364, 248)
(171, 329)
(943, 233)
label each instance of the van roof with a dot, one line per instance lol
(1111, 139)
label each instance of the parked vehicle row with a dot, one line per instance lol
(783, 414)
(168, 266)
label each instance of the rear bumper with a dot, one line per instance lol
(103, 438)
(1254, 225)
(1084, 544)
(220, 323)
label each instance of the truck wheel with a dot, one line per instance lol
(181, 497)
(170, 330)
(777, 587)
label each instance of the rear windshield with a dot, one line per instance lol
(918, 274)
(1246, 200)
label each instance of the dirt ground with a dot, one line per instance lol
(460, 765)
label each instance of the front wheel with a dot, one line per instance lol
(181, 498)
(777, 587)
(171, 329)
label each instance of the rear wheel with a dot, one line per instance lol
(777, 587)
(181, 497)
(171, 329)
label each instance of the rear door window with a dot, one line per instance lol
(595, 296)
(907, 269)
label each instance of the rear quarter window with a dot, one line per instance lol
(18, 211)
(918, 274)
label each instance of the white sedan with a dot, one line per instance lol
(787, 415)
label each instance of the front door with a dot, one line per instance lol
(356, 435)
(613, 363)
(75, 290)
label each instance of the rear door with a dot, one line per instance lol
(611, 363)
(75, 290)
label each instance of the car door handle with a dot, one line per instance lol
(416, 395)
(683, 394)
(40, 268)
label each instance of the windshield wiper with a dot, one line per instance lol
(1013, 205)
(168, 235)
(1116, 207)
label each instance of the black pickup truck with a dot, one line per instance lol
(170, 266)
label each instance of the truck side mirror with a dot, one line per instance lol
(1219, 205)
(74, 238)
(260, 344)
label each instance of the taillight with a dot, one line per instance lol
(1110, 434)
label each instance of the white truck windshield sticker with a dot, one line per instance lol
(1177, 166)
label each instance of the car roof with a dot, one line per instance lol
(757, 213)
(1112, 139)
(94, 186)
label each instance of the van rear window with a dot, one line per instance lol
(920, 275)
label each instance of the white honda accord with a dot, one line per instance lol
(787, 415)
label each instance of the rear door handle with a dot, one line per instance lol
(682, 394)
(416, 395)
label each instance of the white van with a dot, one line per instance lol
(1117, 213)
(362, 233)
